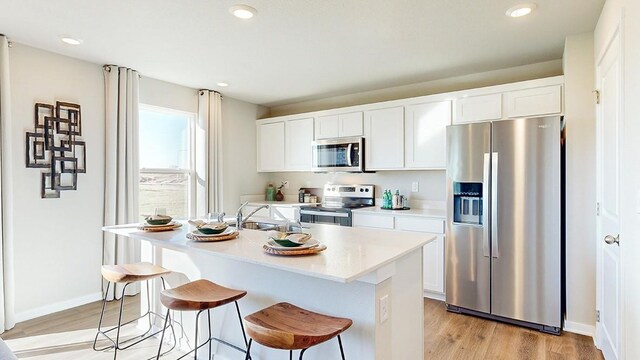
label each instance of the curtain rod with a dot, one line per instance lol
(201, 91)
(107, 68)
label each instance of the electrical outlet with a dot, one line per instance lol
(384, 308)
(286, 184)
(415, 186)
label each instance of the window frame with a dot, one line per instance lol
(191, 156)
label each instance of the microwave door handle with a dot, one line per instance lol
(349, 147)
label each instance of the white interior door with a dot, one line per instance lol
(609, 121)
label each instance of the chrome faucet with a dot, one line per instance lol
(240, 221)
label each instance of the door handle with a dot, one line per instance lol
(485, 204)
(610, 239)
(494, 205)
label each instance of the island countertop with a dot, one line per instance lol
(351, 253)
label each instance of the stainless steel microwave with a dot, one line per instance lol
(339, 155)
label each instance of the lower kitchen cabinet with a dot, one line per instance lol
(433, 252)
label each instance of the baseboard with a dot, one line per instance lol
(579, 328)
(434, 296)
(59, 306)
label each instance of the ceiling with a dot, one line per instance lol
(303, 49)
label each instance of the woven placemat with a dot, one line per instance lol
(205, 238)
(310, 251)
(168, 227)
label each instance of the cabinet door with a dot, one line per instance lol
(532, 102)
(350, 124)
(271, 147)
(478, 108)
(299, 135)
(327, 127)
(433, 267)
(426, 135)
(384, 139)
(372, 220)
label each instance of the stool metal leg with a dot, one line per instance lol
(164, 327)
(247, 357)
(104, 304)
(290, 354)
(209, 322)
(115, 349)
(302, 353)
(341, 349)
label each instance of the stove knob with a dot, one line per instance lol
(367, 190)
(361, 189)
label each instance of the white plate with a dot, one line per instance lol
(309, 244)
(227, 231)
(170, 223)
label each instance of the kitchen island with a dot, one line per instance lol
(371, 276)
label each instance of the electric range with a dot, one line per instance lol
(337, 203)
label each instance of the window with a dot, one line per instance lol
(166, 161)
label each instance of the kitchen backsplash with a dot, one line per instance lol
(431, 184)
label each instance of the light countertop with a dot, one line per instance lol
(427, 213)
(351, 252)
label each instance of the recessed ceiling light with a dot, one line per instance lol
(521, 10)
(223, 84)
(69, 40)
(243, 11)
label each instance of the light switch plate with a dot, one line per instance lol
(415, 186)
(384, 309)
(638, 202)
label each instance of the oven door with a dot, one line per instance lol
(315, 216)
(338, 155)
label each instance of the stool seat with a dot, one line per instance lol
(199, 295)
(286, 326)
(125, 273)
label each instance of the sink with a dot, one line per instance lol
(266, 226)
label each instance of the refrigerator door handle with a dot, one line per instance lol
(494, 205)
(485, 204)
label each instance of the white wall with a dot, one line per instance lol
(163, 94)
(489, 78)
(58, 242)
(630, 171)
(580, 125)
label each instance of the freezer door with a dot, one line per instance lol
(526, 220)
(467, 261)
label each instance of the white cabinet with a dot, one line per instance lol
(327, 127)
(298, 135)
(384, 138)
(433, 266)
(545, 100)
(425, 136)
(433, 252)
(271, 146)
(341, 125)
(478, 108)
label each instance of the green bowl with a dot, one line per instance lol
(212, 230)
(285, 242)
(162, 221)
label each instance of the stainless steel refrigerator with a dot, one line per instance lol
(504, 240)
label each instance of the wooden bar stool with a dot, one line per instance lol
(288, 327)
(127, 274)
(201, 295)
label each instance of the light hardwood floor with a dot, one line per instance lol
(69, 335)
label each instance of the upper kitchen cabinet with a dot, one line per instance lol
(425, 135)
(479, 108)
(340, 125)
(271, 146)
(384, 138)
(299, 135)
(531, 98)
(545, 100)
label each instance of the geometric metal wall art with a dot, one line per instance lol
(56, 146)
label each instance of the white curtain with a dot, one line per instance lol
(209, 152)
(121, 168)
(7, 320)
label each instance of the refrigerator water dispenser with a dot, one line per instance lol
(467, 203)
